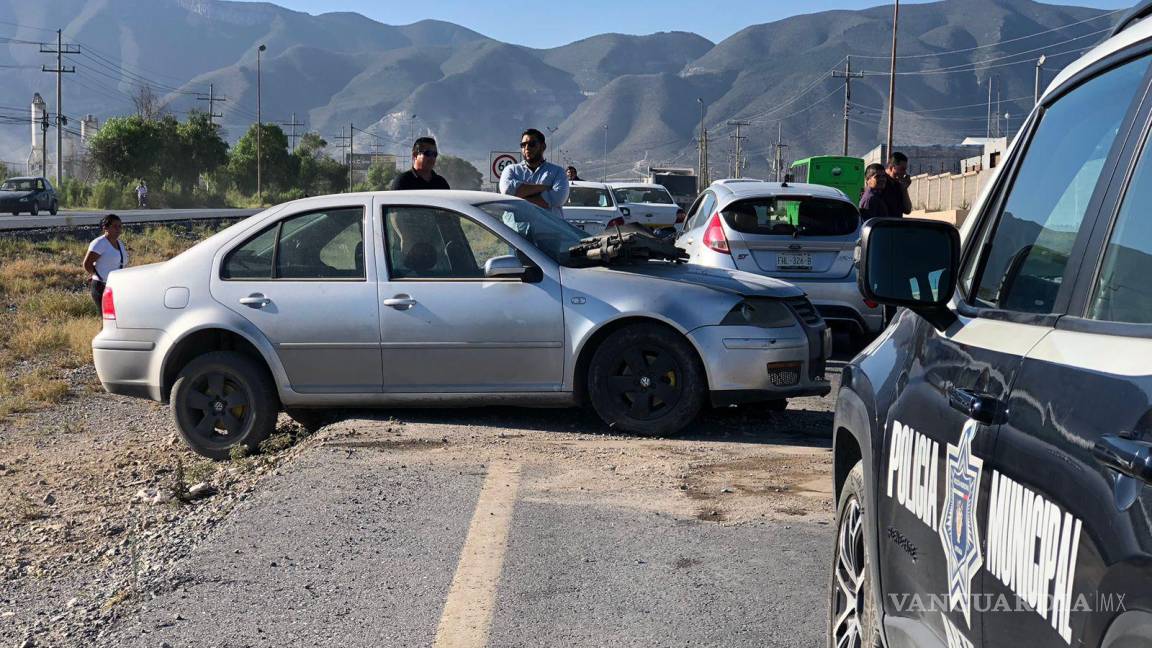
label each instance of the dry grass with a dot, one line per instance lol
(50, 319)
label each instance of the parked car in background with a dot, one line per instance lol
(592, 207)
(445, 298)
(29, 195)
(802, 233)
(648, 204)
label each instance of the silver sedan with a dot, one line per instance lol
(443, 298)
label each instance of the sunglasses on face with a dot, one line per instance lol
(430, 154)
(529, 144)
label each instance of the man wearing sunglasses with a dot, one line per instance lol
(541, 183)
(421, 175)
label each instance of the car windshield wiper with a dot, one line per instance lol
(629, 243)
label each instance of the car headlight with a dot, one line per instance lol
(761, 312)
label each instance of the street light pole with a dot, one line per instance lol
(700, 172)
(892, 77)
(259, 128)
(1039, 72)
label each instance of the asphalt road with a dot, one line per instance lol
(69, 218)
(518, 528)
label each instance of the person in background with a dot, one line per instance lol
(539, 182)
(872, 203)
(142, 194)
(422, 175)
(106, 254)
(573, 176)
(895, 191)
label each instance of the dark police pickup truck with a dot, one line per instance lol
(993, 447)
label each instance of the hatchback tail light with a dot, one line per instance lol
(714, 238)
(870, 304)
(680, 216)
(107, 304)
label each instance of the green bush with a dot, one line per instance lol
(73, 193)
(109, 194)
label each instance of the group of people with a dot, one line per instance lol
(886, 189)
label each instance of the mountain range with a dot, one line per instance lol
(632, 100)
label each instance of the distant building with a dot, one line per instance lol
(929, 158)
(992, 152)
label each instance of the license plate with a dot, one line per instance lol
(793, 261)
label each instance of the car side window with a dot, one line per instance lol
(432, 243)
(1123, 292)
(316, 245)
(1041, 216)
(703, 210)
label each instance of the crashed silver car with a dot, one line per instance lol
(445, 298)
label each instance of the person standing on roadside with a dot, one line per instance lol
(422, 175)
(142, 195)
(106, 254)
(895, 193)
(872, 203)
(539, 182)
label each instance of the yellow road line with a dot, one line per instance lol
(467, 616)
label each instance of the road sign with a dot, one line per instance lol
(501, 159)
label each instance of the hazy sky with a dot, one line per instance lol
(548, 24)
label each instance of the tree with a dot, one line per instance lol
(202, 150)
(382, 173)
(312, 145)
(459, 173)
(317, 172)
(133, 147)
(149, 106)
(3, 171)
(278, 167)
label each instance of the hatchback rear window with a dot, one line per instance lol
(655, 195)
(589, 197)
(793, 216)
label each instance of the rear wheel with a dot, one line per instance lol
(646, 379)
(221, 400)
(852, 608)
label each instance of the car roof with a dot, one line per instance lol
(646, 185)
(1139, 30)
(739, 188)
(589, 183)
(26, 178)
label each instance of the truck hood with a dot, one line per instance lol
(731, 281)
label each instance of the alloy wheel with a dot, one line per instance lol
(848, 595)
(218, 405)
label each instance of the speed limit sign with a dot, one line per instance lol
(501, 159)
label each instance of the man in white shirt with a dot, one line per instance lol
(539, 182)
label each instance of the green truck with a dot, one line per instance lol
(843, 173)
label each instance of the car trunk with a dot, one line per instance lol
(590, 219)
(793, 238)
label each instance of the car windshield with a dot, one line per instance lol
(18, 185)
(657, 195)
(552, 236)
(588, 197)
(793, 216)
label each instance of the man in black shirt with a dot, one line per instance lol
(421, 175)
(895, 191)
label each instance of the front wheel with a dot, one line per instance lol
(35, 209)
(221, 400)
(54, 209)
(646, 379)
(852, 608)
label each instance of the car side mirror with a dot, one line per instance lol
(504, 267)
(911, 263)
(625, 211)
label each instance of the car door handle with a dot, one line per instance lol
(976, 406)
(1125, 456)
(255, 300)
(400, 302)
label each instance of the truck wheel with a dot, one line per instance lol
(646, 379)
(852, 605)
(221, 400)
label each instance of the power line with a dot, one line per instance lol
(974, 65)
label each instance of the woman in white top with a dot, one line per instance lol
(105, 254)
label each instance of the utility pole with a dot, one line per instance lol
(988, 123)
(259, 128)
(738, 139)
(604, 174)
(780, 146)
(707, 162)
(892, 77)
(703, 160)
(346, 145)
(351, 154)
(211, 99)
(44, 147)
(292, 135)
(847, 75)
(61, 120)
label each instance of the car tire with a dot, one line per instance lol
(34, 210)
(54, 209)
(310, 419)
(221, 400)
(646, 379)
(852, 602)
